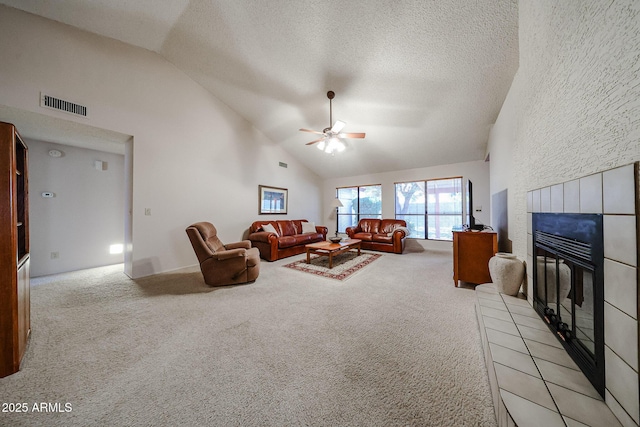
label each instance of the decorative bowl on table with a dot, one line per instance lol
(335, 239)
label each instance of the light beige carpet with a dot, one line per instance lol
(395, 345)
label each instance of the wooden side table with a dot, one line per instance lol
(471, 253)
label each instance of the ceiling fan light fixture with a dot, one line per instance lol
(329, 148)
(331, 145)
(331, 140)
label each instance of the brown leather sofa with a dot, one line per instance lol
(380, 234)
(222, 264)
(287, 241)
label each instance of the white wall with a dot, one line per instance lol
(574, 104)
(477, 172)
(193, 158)
(85, 216)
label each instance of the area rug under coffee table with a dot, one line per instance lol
(344, 265)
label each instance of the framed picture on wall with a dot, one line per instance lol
(272, 200)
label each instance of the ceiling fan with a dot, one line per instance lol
(331, 136)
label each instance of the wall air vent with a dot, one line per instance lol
(54, 103)
(282, 164)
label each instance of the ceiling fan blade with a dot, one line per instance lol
(313, 142)
(337, 126)
(312, 131)
(350, 135)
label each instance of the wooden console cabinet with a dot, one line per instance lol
(471, 254)
(15, 323)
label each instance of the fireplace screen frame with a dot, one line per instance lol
(577, 238)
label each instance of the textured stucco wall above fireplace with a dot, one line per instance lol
(615, 195)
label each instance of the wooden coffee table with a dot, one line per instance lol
(331, 249)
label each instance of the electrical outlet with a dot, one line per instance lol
(55, 255)
(147, 211)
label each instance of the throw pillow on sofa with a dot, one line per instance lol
(269, 228)
(308, 227)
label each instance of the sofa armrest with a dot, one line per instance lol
(398, 238)
(351, 231)
(399, 231)
(262, 236)
(322, 230)
(245, 244)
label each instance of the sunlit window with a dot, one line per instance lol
(410, 206)
(357, 203)
(432, 209)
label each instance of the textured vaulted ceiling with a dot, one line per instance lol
(425, 79)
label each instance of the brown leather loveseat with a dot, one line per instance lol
(289, 238)
(385, 235)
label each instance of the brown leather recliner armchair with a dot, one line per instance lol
(222, 264)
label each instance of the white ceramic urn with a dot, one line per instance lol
(564, 273)
(507, 272)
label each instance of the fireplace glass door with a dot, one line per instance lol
(568, 295)
(568, 290)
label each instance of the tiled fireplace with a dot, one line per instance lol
(534, 378)
(613, 195)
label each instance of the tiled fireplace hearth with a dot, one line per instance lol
(531, 373)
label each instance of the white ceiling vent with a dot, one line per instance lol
(48, 101)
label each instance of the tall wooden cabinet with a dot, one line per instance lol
(15, 323)
(471, 254)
